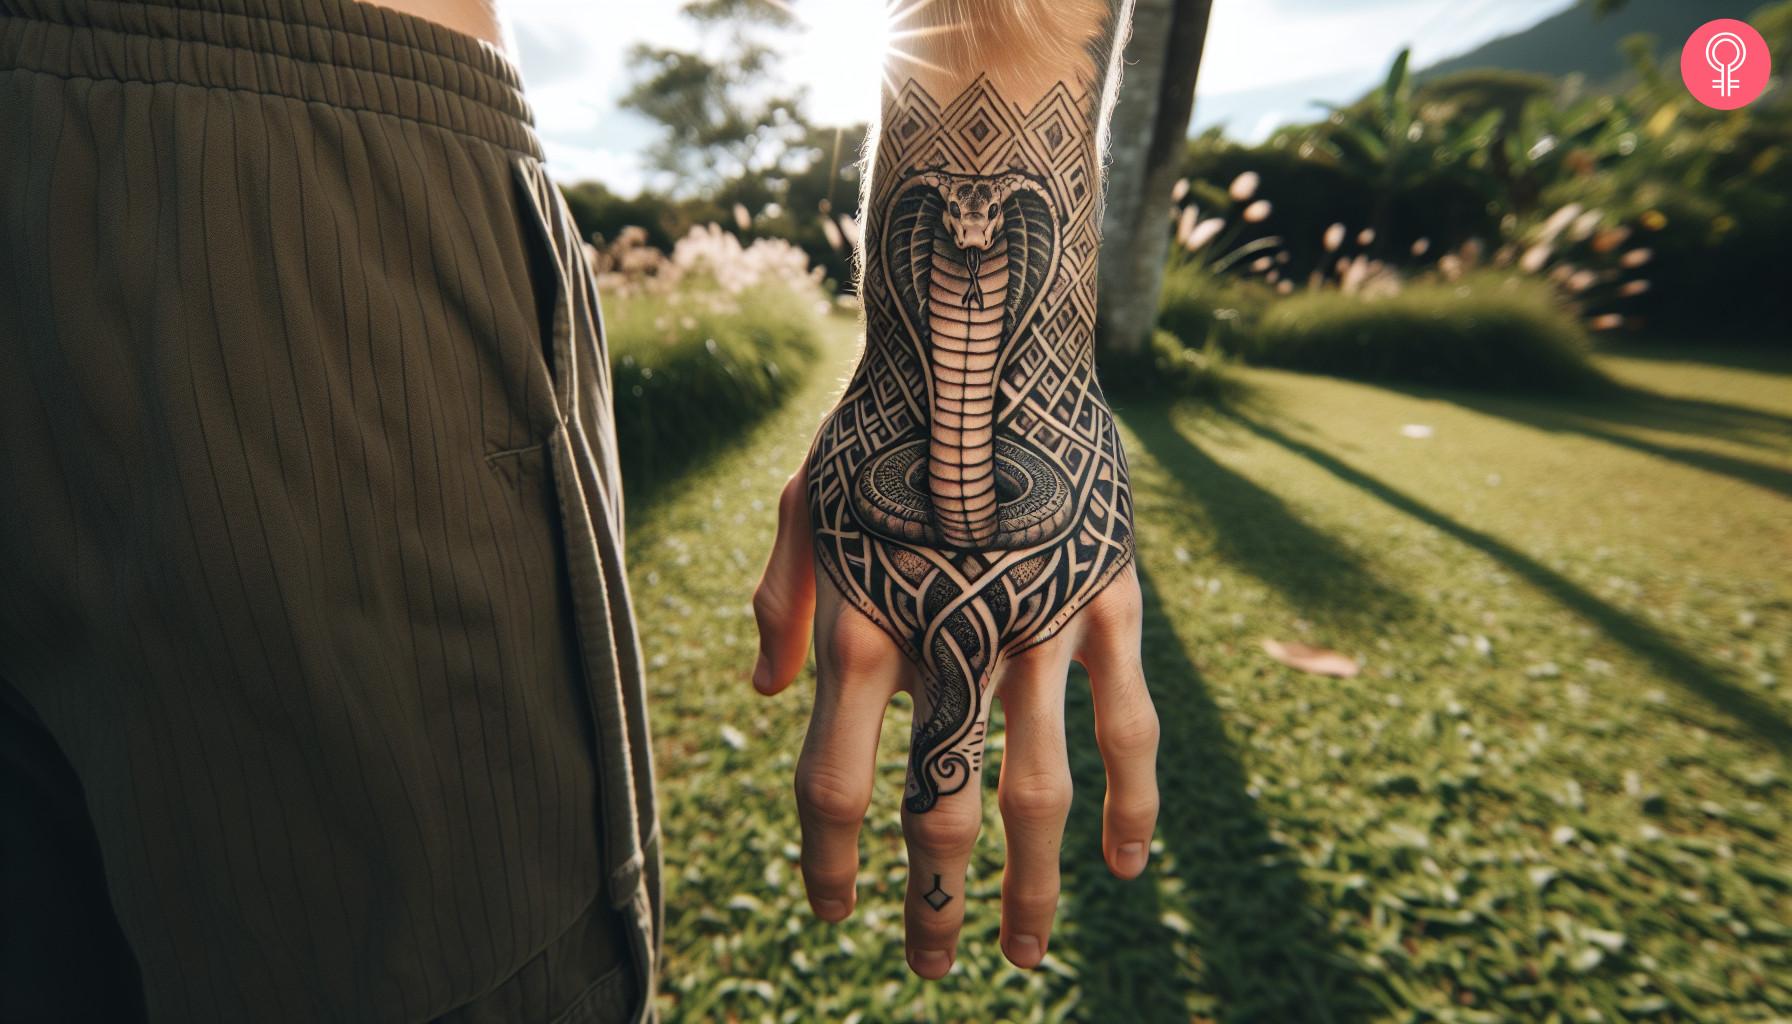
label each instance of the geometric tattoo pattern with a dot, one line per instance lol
(969, 493)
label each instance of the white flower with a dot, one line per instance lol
(1244, 186)
(1203, 233)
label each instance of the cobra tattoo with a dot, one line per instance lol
(969, 492)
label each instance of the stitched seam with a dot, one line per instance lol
(294, 22)
(508, 146)
(503, 88)
(507, 453)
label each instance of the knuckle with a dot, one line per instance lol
(943, 830)
(1042, 796)
(1121, 608)
(793, 500)
(857, 645)
(1030, 901)
(1135, 732)
(769, 605)
(1134, 813)
(831, 797)
(825, 879)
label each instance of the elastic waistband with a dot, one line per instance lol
(349, 55)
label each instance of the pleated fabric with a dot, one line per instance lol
(313, 615)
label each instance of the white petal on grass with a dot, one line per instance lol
(1609, 941)
(1417, 431)
(1319, 661)
(735, 739)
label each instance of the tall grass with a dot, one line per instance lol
(1485, 330)
(703, 343)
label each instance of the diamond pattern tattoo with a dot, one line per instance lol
(969, 493)
(936, 897)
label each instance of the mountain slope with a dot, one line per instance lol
(1578, 41)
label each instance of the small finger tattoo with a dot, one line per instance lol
(936, 897)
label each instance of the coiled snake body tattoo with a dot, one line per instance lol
(969, 493)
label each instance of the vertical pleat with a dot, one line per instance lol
(294, 581)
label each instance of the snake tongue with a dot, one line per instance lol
(973, 296)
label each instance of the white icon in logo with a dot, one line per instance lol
(1726, 82)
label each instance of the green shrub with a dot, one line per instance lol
(1485, 331)
(1202, 310)
(696, 365)
(1167, 367)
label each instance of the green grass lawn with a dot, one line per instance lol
(1559, 789)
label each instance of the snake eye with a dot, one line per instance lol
(993, 211)
(954, 208)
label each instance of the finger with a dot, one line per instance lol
(784, 603)
(1126, 726)
(858, 670)
(1034, 796)
(943, 809)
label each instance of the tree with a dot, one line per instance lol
(1148, 133)
(1389, 141)
(718, 119)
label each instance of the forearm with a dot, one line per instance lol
(1016, 93)
(969, 494)
(982, 216)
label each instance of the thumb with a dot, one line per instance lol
(784, 603)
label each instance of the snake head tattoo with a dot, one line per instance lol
(969, 492)
(974, 205)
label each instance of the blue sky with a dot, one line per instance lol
(1266, 62)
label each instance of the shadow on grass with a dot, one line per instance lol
(1600, 419)
(1255, 531)
(1260, 949)
(1683, 668)
(1765, 357)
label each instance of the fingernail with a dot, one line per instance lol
(1023, 950)
(830, 910)
(930, 962)
(1132, 858)
(762, 673)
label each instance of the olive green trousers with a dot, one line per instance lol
(319, 688)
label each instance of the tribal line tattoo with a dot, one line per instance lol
(969, 493)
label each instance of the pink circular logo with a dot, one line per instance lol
(1726, 64)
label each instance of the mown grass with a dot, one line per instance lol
(1559, 790)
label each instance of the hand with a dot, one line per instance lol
(967, 505)
(859, 668)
